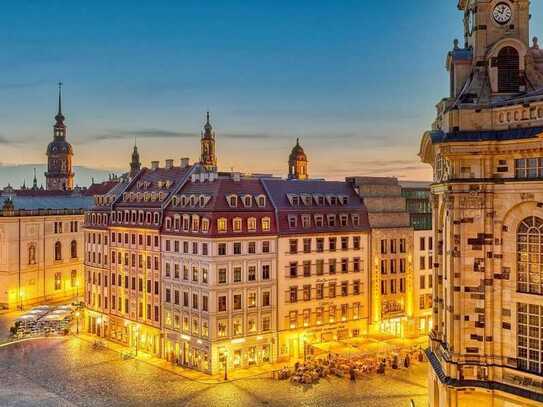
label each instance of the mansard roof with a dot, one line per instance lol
(316, 206)
(152, 187)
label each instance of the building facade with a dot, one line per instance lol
(485, 148)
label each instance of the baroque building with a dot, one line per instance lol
(486, 149)
(59, 175)
(297, 163)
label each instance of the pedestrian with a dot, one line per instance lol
(352, 374)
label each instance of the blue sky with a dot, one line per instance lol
(357, 81)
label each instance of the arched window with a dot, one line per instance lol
(508, 70)
(529, 256)
(73, 249)
(58, 251)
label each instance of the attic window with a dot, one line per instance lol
(356, 220)
(261, 201)
(343, 220)
(247, 201)
(292, 222)
(306, 221)
(205, 225)
(331, 220)
(295, 200)
(251, 224)
(319, 221)
(233, 201)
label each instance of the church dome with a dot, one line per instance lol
(297, 153)
(59, 147)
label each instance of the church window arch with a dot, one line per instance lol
(530, 256)
(508, 64)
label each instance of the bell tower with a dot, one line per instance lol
(59, 175)
(496, 42)
(208, 159)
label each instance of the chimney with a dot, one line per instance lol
(169, 164)
(154, 165)
(184, 162)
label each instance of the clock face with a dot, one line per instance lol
(502, 13)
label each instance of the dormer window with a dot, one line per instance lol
(202, 200)
(168, 223)
(356, 220)
(306, 221)
(251, 224)
(333, 200)
(205, 225)
(344, 200)
(248, 201)
(292, 221)
(331, 218)
(319, 221)
(295, 200)
(261, 201)
(343, 220)
(306, 199)
(232, 201)
(175, 201)
(236, 224)
(266, 224)
(221, 225)
(192, 200)
(195, 223)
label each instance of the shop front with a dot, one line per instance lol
(243, 353)
(187, 351)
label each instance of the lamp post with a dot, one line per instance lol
(225, 365)
(137, 329)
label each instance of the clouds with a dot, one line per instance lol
(152, 133)
(21, 85)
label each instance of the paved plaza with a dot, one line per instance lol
(69, 372)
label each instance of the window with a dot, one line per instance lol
(251, 224)
(422, 244)
(265, 246)
(422, 262)
(320, 267)
(222, 249)
(237, 274)
(306, 221)
(222, 328)
(393, 246)
(383, 246)
(529, 168)
(356, 242)
(529, 252)
(266, 272)
(344, 288)
(293, 269)
(331, 290)
(237, 301)
(529, 337)
(422, 282)
(251, 299)
(307, 292)
(266, 296)
(221, 225)
(332, 266)
(293, 246)
(58, 281)
(356, 287)
(266, 224)
(402, 246)
(332, 242)
(307, 245)
(266, 323)
(384, 268)
(292, 222)
(344, 265)
(222, 276)
(320, 245)
(222, 303)
(307, 268)
(251, 273)
(356, 264)
(236, 224)
(319, 291)
(58, 251)
(508, 70)
(293, 294)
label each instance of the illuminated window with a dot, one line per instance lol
(529, 252)
(221, 225)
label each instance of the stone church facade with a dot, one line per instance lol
(486, 150)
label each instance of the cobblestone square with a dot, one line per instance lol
(69, 372)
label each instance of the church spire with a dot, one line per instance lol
(208, 158)
(34, 181)
(135, 164)
(59, 117)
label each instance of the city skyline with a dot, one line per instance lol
(276, 78)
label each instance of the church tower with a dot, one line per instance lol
(208, 159)
(59, 175)
(297, 163)
(135, 164)
(486, 150)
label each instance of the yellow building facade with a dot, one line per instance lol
(486, 149)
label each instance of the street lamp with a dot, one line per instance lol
(225, 365)
(137, 329)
